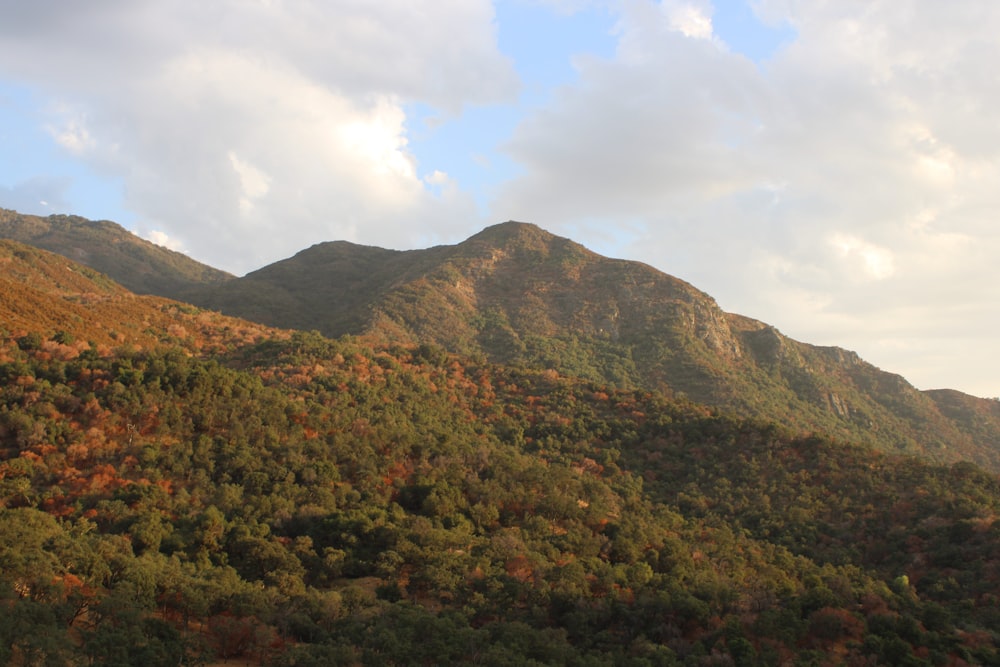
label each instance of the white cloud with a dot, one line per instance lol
(663, 126)
(247, 131)
(437, 177)
(74, 137)
(293, 164)
(162, 239)
(864, 260)
(844, 190)
(379, 140)
(254, 183)
(69, 129)
(689, 19)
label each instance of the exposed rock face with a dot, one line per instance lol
(838, 406)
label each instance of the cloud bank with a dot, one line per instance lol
(248, 130)
(843, 189)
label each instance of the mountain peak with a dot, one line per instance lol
(512, 231)
(528, 238)
(509, 228)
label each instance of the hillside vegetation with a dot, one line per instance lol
(517, 295)
(289, 499)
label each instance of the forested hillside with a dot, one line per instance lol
(308, 501)
(179, 487)
(517, 295)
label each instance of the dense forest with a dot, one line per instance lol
(297, 500)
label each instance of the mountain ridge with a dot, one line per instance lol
(516, 294)
(137, 264)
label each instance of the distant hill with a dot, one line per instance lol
(70, 307)
(141, 266)
(978, 418)
(516, 294)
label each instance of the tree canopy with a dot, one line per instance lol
(307, 501)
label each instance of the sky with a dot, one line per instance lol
(831, 167)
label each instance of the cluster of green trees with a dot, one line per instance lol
(315, 502)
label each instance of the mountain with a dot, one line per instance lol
(137, 264)
(516, 294)
(180, 487)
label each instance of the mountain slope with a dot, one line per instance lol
(307, 501)
(141, 266)
(516, 294)
(286, 499)
(519, 295)
(70, 307)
